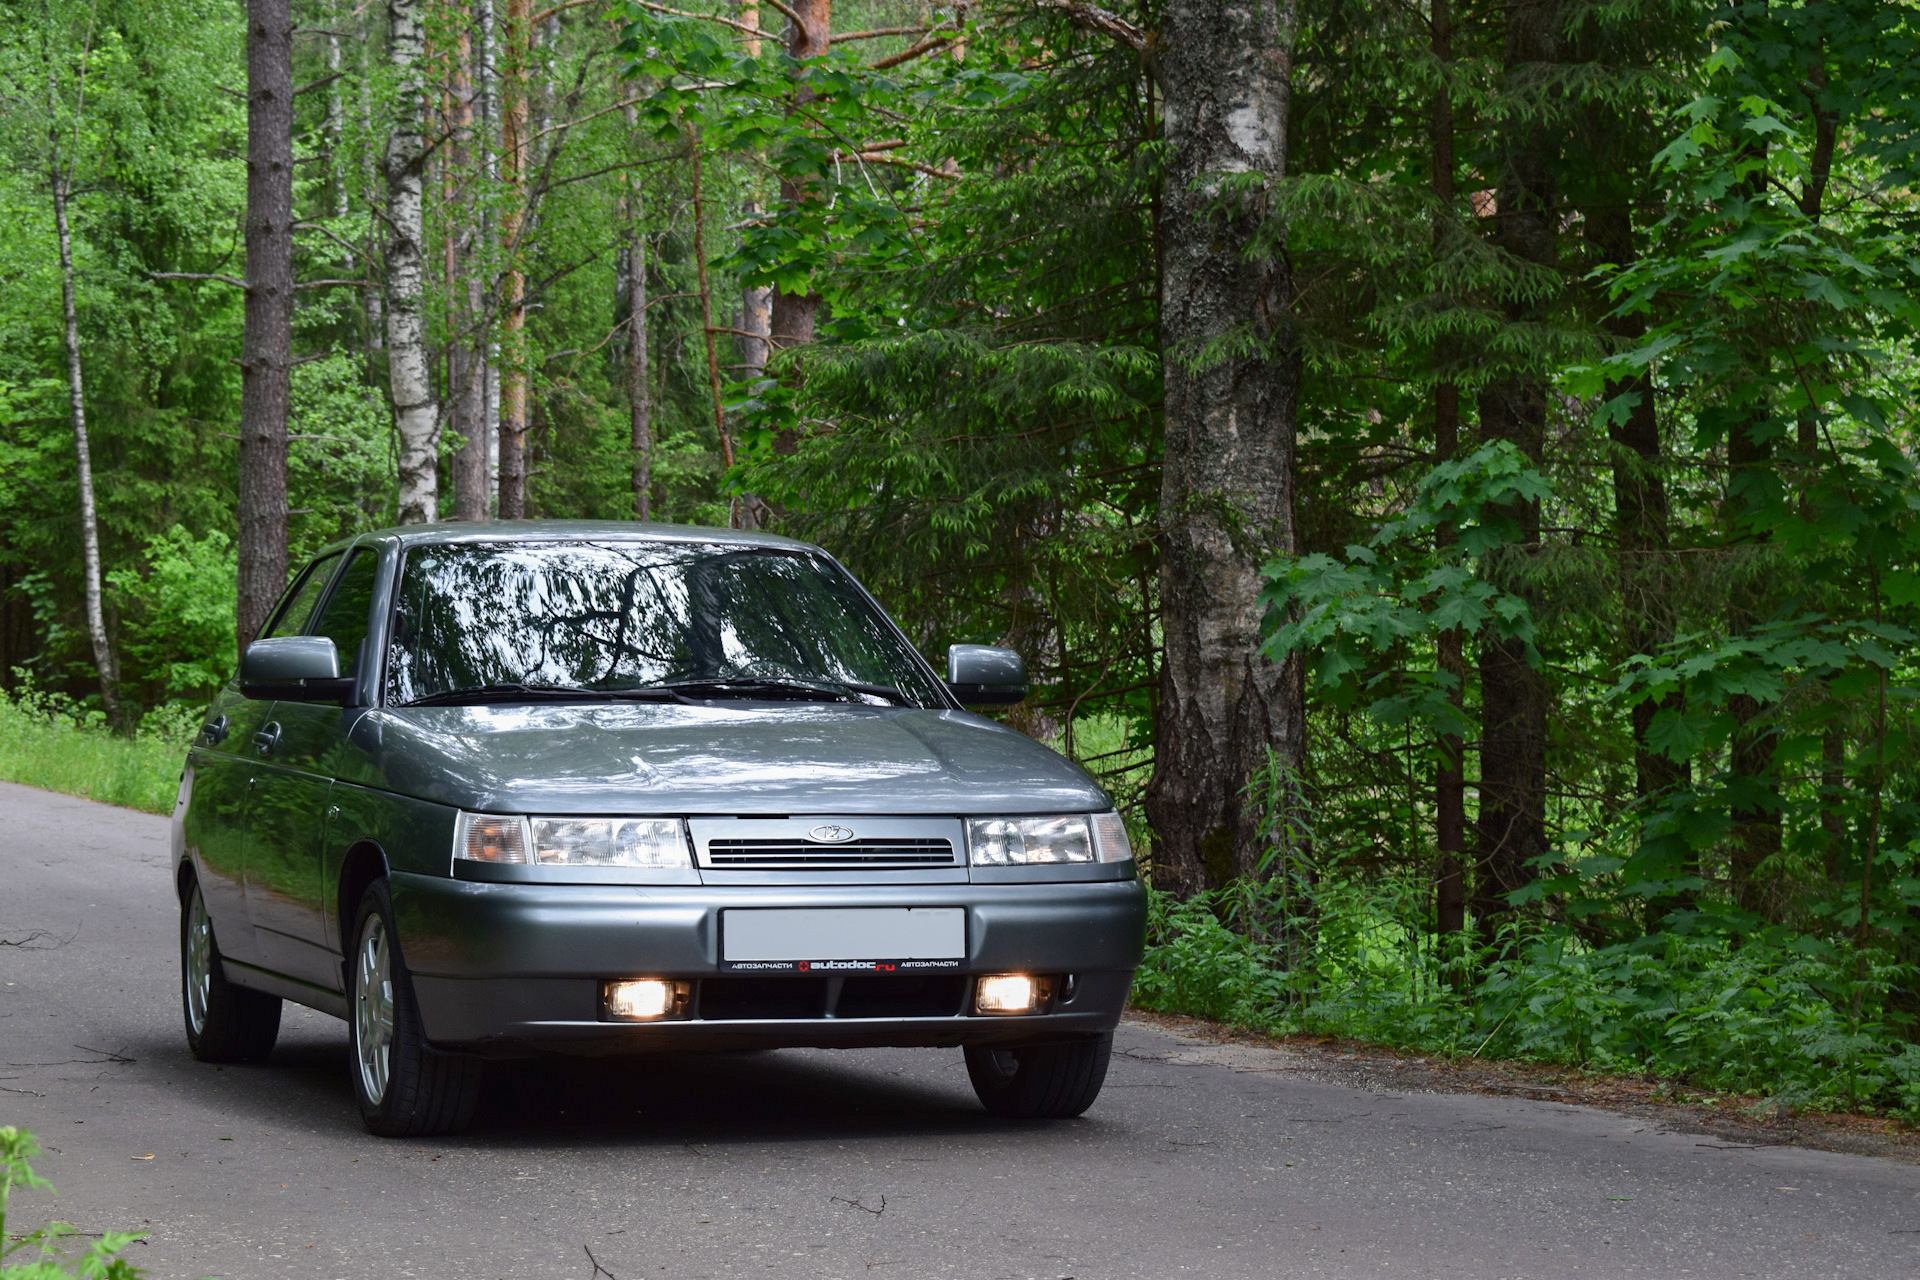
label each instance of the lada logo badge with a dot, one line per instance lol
(828, 833)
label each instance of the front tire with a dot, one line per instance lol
(225, 1022)
(404, 1086)
(1039, 1081)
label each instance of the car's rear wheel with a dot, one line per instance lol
(405, 1087)
(225, 1023)
(1039, 1081)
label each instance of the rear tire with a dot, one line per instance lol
(404, 1086)
(225, 1022)
(1039, 1081)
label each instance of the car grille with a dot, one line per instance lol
(884, 851)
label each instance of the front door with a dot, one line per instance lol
(302, 743)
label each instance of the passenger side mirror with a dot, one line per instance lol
(294, 668)
(982, 675)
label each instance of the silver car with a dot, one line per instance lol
(487, 791)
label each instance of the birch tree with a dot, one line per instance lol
(59, 172)
(410, 379)
(1226, 496)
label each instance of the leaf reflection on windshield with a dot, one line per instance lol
(577, 619)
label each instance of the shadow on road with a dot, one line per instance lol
(666, 1099)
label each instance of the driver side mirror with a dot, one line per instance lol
(295, 669)
(983, 675)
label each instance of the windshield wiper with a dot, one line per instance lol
(513, 691)
(886, 691)
(794, 690)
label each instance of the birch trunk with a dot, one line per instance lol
(1226, 495)
(266, 344)
(409, 377)
(103, 662)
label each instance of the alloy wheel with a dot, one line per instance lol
(373, 1008)
(197, 959)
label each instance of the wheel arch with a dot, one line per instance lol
(363, 863)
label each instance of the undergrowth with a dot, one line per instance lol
(1768, 1012)
(49, 743)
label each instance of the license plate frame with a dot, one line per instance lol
(830, 940)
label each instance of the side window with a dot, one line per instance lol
(290, 619)
(344, 619)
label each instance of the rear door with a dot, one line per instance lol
(286, 829)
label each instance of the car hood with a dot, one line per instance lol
(717, 758)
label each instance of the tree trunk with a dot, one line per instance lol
(487, 112)
(1226, 498)
(1450, 779)
(515, 83)
(639, 389)
(1513, 699)
(409, 375)
(466, 369)
(373, 297)
(266, 344)
(103, 663)
(795, 314)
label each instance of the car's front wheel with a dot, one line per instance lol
(225, 1023)
(405, 1087)
(1039, 1081)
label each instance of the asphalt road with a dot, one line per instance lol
(1198, 1160)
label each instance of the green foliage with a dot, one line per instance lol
(178, 620)
(48, 742)
(1777, 1014)
(99, 1260)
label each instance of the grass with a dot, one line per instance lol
(48, 744)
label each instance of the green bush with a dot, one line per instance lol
(1785, 1015)
(51, 1261)
(48, 743)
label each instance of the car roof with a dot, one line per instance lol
(456, 531)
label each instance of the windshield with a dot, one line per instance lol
(710, 621)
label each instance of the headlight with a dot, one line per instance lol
(1020, 842)
(1025, 842)
(575, 842)
(611, 842)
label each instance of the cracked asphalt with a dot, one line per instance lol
(1198, 1160)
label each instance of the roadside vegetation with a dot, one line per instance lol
(55, 1251)
(48, 742)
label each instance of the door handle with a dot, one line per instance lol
(215, 731)
(267, 739)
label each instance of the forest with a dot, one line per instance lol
(1448, 464)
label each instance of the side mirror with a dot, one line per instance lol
(981, 675)
(294, 668)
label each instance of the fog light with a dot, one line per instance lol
(1009, 993)
(644, 999)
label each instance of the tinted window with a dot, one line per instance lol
(344, 619)
(623, 615)
(297, 605)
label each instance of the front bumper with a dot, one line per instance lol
(516, 968)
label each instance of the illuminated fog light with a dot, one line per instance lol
(1008, 993)
(643, 999)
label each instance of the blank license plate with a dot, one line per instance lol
(842, 939)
